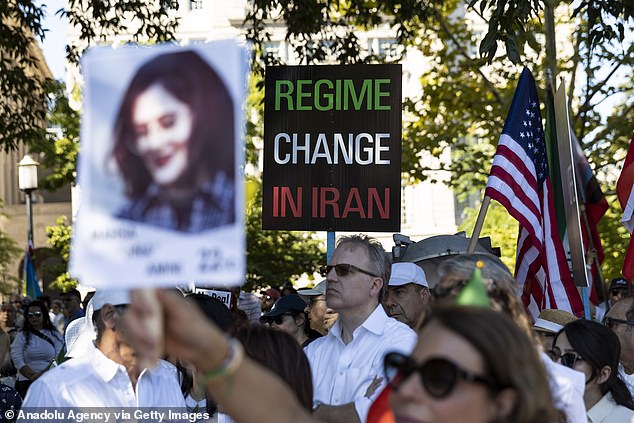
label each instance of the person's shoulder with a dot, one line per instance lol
(165, 370)
(395, 329)
(318, 345)
(69, 372)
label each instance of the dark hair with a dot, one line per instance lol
(215, 310)
(186, 76)
(73, 293)
(45, 299)
(599, 346)
(279, 352)
(28, 328)
(510, 359)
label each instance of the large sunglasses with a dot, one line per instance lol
(343, 269)
(34, 314)
(568, 359)
(611, 322)
(278, 320)
(437, 375)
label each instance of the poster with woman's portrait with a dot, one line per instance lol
(160, 167)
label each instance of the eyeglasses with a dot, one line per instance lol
(34, 314)
(568, 359)
(611, 322)
(343, 269)
(278, 320)
(437, 375)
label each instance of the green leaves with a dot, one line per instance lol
(59, 238)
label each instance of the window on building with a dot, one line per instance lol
(384, 48)
(195, 4)
(404, 220)
(277, 50)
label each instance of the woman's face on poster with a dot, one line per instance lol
(162, 126)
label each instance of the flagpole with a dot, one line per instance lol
(479, 223)
(592, 253)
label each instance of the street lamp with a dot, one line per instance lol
(27, 180)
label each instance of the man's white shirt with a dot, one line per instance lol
(342, 373)
(96, 381)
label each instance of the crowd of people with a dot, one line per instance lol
(374, 341)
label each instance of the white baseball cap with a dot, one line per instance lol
(404, 273)
(110, 296)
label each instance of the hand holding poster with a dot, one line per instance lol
(162, 199)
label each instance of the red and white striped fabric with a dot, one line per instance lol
(625, 192)
(520, 181)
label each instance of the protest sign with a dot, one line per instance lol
(162, 198)
(332, 148)
(222, 296)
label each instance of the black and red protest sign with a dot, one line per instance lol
(332, 148)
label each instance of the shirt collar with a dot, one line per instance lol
(601, 409)
(104, 367)
(374, 323)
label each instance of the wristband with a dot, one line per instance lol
(229, 365)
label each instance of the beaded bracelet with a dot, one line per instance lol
(229, 365)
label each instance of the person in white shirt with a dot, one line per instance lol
(453, 274)
(108, 375)
(620, 318)
(593, 349)
(347, 363)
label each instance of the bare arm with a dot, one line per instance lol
(191, 337)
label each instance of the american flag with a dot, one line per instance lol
(520, 181)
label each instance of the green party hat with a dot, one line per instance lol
(474, 293)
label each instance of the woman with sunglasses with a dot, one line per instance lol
(35, 347)
(594, 350)
(484, 365)
(566, 385)
(471, 364)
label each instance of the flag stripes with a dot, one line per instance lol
(519, 180)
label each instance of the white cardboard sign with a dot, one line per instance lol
(160, 167)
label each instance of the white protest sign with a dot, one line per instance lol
(222, 296)
(160, 167)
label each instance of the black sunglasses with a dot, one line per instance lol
(278, 320)
(34, 314)
(568, 359)
(343, 269)
(611, 322)
(437, 375)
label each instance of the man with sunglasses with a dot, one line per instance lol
(620, 319)
(347, 363)
(108, 375)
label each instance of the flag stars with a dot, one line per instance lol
(525, 123)
(522, 135)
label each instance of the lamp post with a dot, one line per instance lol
(27, 180)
